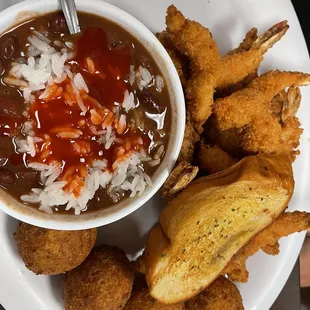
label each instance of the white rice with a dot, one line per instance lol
(60, 79)
(146, 76)
(26, 146)
(154, 162)
(42, 37)
(45, 66)
(40, 45)
(69, 44)
(129, 101)
(27, 129)
(58, 43)
(80, 83)
(159, 83)
(108, 138)
(34, 76)
(159, 152)
(39, 167)
(15, 82)
(58, 62)
(78, 98)
(132, 75)
(127, 177)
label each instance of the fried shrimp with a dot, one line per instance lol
(191, 136)
(209, 70)
(179, 60)
(286, 224)
(235, 67)
(228, 140)
(250, 37)
(214, 159)
(245, 45)
(250, 110)
(194, 40)
(240, 108)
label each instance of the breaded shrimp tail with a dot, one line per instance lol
(240, 108)
(284, 225)
(250, 110)
(238, 65)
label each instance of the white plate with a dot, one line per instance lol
(228, 20)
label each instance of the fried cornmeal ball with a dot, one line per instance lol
(102, 282)
(51, 252)
(222, 294)
(142, 300)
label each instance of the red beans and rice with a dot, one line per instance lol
(93, 118)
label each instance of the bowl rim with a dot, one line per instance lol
(93, 219)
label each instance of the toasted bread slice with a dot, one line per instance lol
(205, 225)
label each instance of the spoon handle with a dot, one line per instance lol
(69, 10)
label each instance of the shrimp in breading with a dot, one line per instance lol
(240, 108)
(250, 37)
(235, 67)
(249, 109)
(179, 60)
(286, 224)
(213, 159)
(277, 103)
(191, 136)
(209, 70)
(228, 140)
(245, 45)
(194, 40)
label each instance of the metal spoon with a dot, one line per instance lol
(69, 10)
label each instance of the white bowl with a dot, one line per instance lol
(23, 11)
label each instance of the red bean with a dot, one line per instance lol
(58, 23)
(28, 175)
(150, 102)
(7, 177)
(9, 47)
(116, 45)
(11, 107)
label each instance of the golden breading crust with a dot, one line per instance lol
(286, 224)
(142, 300)
(210, 71)
(180, 60)
(213, 159)
(51, 252)
(222, 294)
(103, 281)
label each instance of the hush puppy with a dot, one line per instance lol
(142, 300)
(102, 282)
(222, 294)
(51, 252)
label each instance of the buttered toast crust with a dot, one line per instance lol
(206, 224)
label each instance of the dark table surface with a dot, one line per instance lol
(289, 299)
